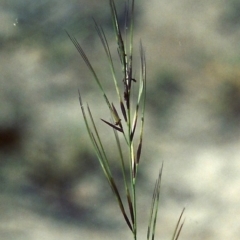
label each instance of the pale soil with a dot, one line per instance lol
(200, 152)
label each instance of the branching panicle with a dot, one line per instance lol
(126, 120)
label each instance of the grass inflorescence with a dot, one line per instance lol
(126, 120)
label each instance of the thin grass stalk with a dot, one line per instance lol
(98, 147)
(129, 198)
(178, 227)
(127, 82)
(100, 157)
(141, 93)
(99, 143)
(144, 87)
(126, 23)
(154, 207)
(90, 67)
(86, 60)
(98, 152)
(130, 124)
(120, 42)
(179, 230)
(131, 43)
(111, 181)
(131, 29)
(135, 159)
(120, 203)
(105, 44)
(105, 165)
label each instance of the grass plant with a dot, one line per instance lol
(126, 121)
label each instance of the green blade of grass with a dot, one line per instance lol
(129, 106)
(178, 227)
(119, 38)
(120, 203)
(104, 158)
(143, 92)
(129, 198)
(98, 147)
(154, 207)
(106, 169)
(131, 27)
(90, 67)
(105, 44)
(87, 62)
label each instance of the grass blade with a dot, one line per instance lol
(90, 67)
(129, 199)
(142, 91)
(105, 44)
(120, 203)
(86, 60)
(132, 116)
(178, 227)
(121, 46)
(154, 207)
(98, 147)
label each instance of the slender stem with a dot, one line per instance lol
(135, 210)
(128, 126)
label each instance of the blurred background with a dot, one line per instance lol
(51, 183)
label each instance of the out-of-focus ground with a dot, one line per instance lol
(51, 184)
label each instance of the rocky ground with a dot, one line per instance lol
(51, 186)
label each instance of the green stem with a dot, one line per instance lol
(135, 210)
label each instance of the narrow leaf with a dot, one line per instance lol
(178, 227)
(154, 207)
(99, 141)
(117, 30)
(85, 58)
(129, 200)
(114, 187)
(143, 87)
(99, 150)
(130, 204)
(105, 44)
